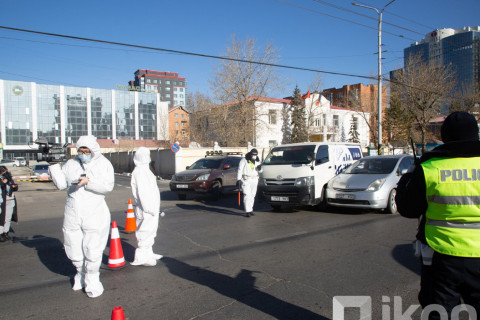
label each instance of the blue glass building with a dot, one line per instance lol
(62, 114)
(458, 48)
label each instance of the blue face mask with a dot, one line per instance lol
(85, 158)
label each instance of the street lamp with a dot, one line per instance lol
(379, 12)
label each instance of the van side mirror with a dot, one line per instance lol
(225, 167)
(187, 167)
(402, 172)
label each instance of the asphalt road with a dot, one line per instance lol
(218, 264)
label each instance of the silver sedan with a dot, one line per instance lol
(369, 183)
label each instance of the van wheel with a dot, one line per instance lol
(323, 204)
(392, 205)
(182, 196)
(276, 207)
(216, 190)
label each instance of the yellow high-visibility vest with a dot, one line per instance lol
(453, 213)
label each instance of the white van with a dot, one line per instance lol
(297, 174)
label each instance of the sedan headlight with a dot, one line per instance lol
(203, 177)
(376, 185)
(305, 181)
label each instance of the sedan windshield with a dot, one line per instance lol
(206, 164)
(372, 166)
(42, 167)
(289, 155)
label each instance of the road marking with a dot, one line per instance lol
(292, 235)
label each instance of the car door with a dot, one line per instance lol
(229, 176)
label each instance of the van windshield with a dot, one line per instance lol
(289, 155)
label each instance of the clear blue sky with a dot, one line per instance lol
(315, 36)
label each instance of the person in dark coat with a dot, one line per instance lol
(9, 203)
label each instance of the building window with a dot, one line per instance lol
(155, 81)
(159, 81)
(149, 81)
(175, 89)
(183, 132)
(168, 95)
(316, 122)
(176, 124)
(174, 83)
(181, 83)
(324, 119)
(176, 131)
(335, 120)
(272, 116)
(182, 115)
(168, 88)
(181, 89)
(175, 96)
(176, 115)
(339, 96)
(167, 81)
(355, 123)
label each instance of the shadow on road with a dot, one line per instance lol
(241, 288)
(403, 254)
(51, 253)
(198, 207)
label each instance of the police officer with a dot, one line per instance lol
(247, 179)
(445, 188)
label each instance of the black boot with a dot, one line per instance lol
(247, 215)
(7, 236)
(252, 213)
(2, 238)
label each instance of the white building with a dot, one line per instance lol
(327, 123)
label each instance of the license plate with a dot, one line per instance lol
(275, 198)
(345, 196)
(182, 186)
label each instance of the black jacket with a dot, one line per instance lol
(13, 187)
(411, 189)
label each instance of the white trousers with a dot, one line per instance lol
(84, 243)
(147, 226)
(8, 214)
(249, 191)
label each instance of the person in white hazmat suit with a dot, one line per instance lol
(247, 180)
(87, 178)
(147, 197)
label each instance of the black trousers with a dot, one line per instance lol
(453, 279)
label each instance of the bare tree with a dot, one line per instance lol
(423, 89)
(200, 107)
(467, 99)
(312, 106)
(238, 85)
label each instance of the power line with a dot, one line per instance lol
(365, 16)
(343, 19)
(183, 52)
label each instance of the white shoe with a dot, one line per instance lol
(136, 263)
(150, 263)
(157, 256)
(78, 282)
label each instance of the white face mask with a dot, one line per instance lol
(254, 157)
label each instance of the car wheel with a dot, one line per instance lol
(216, 190)
(182, 196)
(392, 205)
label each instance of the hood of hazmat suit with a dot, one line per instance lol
(86, 217)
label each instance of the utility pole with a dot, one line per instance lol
(379, 12)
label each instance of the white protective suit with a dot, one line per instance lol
(248, 173)
(147, 197)
(86, 218)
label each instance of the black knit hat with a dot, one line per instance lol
(459, 126)
(254, 152)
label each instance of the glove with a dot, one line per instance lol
(162, 214)
(259, 168)
(239, 184)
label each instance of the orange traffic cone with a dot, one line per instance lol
(117, 313)
(130, 224)
(115, 259)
